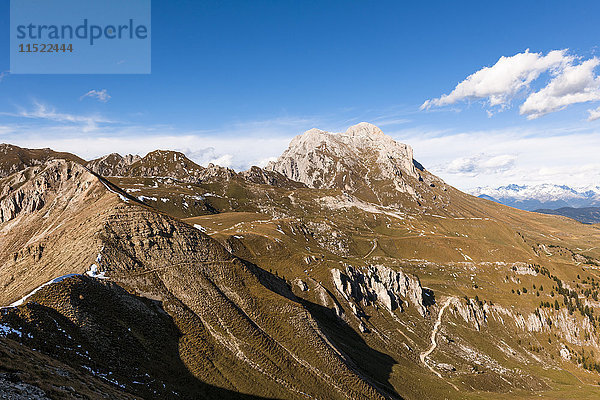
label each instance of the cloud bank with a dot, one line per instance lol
(521, 155)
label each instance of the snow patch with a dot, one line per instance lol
(142, 198)
(94, 273)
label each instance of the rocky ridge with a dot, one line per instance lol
(14, 159)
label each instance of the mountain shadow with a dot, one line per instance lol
(124, 340)
(371, 365)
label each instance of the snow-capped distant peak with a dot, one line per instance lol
(532, 197)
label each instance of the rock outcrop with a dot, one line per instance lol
(160, 163)
(392, 289)
(112, 164)
(163, 163)
(471, 311)
(215, 173)
(273, 178)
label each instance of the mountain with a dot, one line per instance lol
(14, 158)
(345, 160)
(302, 280)
(586, 215)
(544, 196)
(362, 161)
(112, 164)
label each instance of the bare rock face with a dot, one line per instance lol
(301, 284)
(471, 311)
(565, 353)
(363, 155)
(112, 164)
(380, 284)
(21, 200)
(579, 332)
(54, 175)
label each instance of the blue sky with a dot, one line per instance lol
(233, 81)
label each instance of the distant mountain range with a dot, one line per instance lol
(546, 196)
(581, 204)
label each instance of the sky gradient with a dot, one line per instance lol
(233, 82)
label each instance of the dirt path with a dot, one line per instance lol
(436, 328)
(373, 249)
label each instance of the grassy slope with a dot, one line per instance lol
(469, 253)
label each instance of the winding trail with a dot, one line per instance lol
(373, 249)
(436, 328)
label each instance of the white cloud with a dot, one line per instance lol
(100, 95)
(594, 114)
(226, 160)
(481, 164)
(574, 84)
(46, 116)
(42, 111)
(500, 82)
(572, 81)
(264, 161)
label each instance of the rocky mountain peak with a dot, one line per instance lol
(165, 155)
(215, 173)
(112, 164)
(364, 129)
(348, 160)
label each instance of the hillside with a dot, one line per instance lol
(586, 215)
(344, 269)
